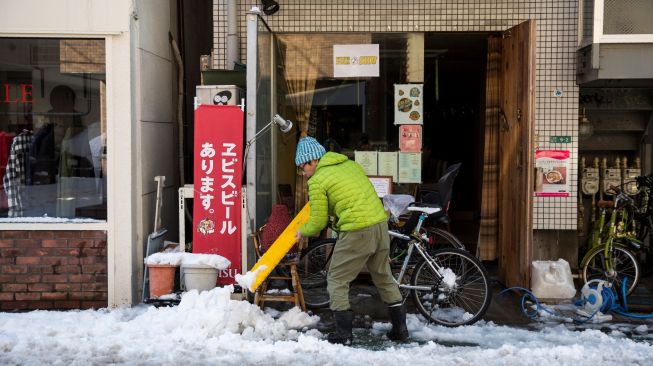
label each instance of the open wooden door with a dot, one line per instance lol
(516, 121)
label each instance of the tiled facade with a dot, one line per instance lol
(556, 89)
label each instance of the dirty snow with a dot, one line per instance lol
(210, 328)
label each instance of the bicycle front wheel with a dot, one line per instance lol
(312, 271)
(624, 263)
(460, 295)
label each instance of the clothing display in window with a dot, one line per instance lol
(77, 185)
(43, 161)
(5, 147)
(15, 176)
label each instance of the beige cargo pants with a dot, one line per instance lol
(368, 246)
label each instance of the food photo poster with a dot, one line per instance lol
(408, 104)
(552, 168)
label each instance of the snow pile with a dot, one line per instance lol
(172, 259)
(218, 314)
(209, 328)
(200, 325)
(247, 280)
(211, 260)
(184, 258)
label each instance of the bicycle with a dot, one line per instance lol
(449, 286)
(610, 256)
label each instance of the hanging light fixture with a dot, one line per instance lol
(270, 6)
(585, 128)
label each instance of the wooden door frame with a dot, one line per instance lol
(516, 135)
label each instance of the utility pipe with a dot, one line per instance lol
(232, 34)
(180, 113)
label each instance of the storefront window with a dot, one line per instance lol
(52, 130)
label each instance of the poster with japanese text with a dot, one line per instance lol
(217, 160)
(410, 168)
(368, 160)
(388, 164)
(552, 168)
(410, 138)
(408, 104)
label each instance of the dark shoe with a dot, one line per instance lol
(342, 335)
(399, 331)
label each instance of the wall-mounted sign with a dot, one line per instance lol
(552, 173)
(410, 138)
(410, 167)
(355, 60)
(560, 139)
(368, 160)
(388, 164)
(408, 104)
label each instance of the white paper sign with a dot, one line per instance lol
(355, 60)
(388, 164)
(382, 185)
(368, 160)
(410, 167)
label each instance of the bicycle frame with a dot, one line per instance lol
(604, 235)
(415, 242)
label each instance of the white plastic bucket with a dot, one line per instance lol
(199, 277)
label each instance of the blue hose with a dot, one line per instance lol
(623, 310)
(609, 297)
(528, 295)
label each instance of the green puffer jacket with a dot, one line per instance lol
(341, 189)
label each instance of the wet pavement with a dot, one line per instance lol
(504, 310)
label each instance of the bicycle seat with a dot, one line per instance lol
(605, 204)
(426, 210)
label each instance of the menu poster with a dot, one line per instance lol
(410, 167)
(382, 185)
(552, 169)
(388, 164)
(410, 138)
(408, 104)
(368, 160)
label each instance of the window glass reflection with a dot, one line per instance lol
(52, 130)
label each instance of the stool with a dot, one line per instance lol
(289, 266)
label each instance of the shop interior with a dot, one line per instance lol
(356, 114)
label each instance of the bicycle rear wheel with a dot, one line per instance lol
(625, 266)
(440, 238)
(461, 297)
(312, 270)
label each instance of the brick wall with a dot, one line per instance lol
(53, 270)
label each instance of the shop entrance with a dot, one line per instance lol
(478, 110)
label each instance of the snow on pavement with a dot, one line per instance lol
(210, 328)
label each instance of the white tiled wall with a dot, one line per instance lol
(556, 55)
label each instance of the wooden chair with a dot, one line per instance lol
(287, 272)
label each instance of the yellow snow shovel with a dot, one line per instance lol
(279, 248)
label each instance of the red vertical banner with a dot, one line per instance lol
(217, 156)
